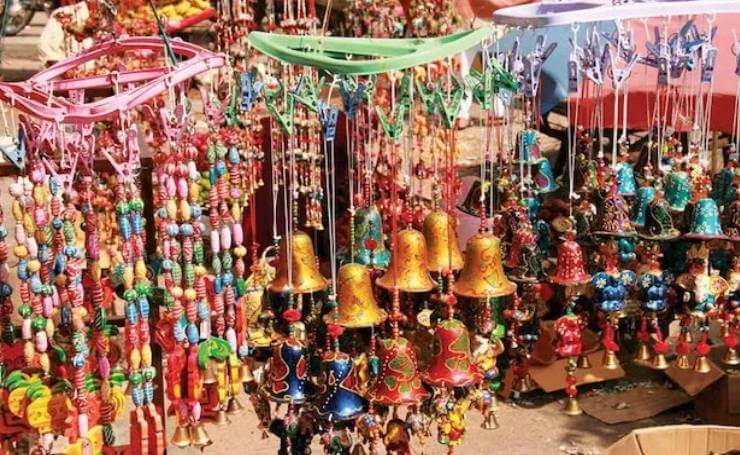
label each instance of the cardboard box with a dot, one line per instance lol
(678, 440)
(634, 404)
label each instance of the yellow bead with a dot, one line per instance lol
(185, 210)
(190, 294)
(34, 265)
(20, 251)
(171, 207)
(176, 292)
(140, 269)
(135, 359)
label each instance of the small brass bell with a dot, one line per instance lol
(524, 384)
(610, 360)
(643, 353)
(701, 365)
(209, 375)
(221, 418)
(659, 362)
(583, 362)
(408, 264)
(234, 407)
(245, 373)
(199, 436)
(572, 407)
(688, 337)
(731, 357)
(181, 438)
(443, 252)
(357, 306)
(490, 422)
(306, 276)
(682, 362)
(483, 275)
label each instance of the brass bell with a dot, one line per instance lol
(731, 357)
(443, 252)
(483, 275)
(701, 365)
(408, 264)
(221, 418)
(234, 407)
(181, 438)
(357, 306)
(490, 422)
(199, 436)
(659, 362)
(572, 407)
(245, 373)
(610, 360)
(524, 384)
(584, 363)
(209, 375)
(682, 362)
(306, 276)
(643, 353)
(688, 337)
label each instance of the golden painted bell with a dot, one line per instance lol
(572, 407)
(730, 357)
(443, 252)
(199, 436)
(408, 264)
(701, 365)
(682, 362)
(483, 275)
(181, 438)
(659, 362)
(306, 276)
(357, 306)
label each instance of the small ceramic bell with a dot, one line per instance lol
(570, 270)
(645, 195)
(626, 184)
(451, 364)
(443, 253)
(356, 301)
(306, 276)
(369, 232)
(399, 381)
(705, 223)
(340, 398)
(612, 217)
(287, 381)
(410, 260)
(678, 190)
(483, 275)
(658, 221)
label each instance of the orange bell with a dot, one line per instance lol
(398, 382)
(409, 263)
(451, 363)
(570, 270)
(357, 306)
(483, 275)
(443, 253)
(306, 276)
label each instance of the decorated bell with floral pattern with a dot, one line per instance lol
(612, 218)
(369, 248)
(399, 381)
(705, 221)
(408, 268)
(543, 178)
(645, 195)
(483, 275)
(626, 184)
(678, 189)
(287, 381)
(340, 397)
(570, 269)
(451, 364)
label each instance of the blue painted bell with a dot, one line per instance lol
(678, 189)
(287, 381)
(658, 220)
(543, 178)
(626, 184)
(370, 247)
(340, 397)
(705, 222)
(645, 195)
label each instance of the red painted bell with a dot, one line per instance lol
(399, 381)
(451, 363)
(570, 269)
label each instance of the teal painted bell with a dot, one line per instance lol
(626, 184)
(543, 179)
(529, 147)
(724, 191)
(658, 223)
(678, 190)
(370, 248)
(645, 195)
(705, 223)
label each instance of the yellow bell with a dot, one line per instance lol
(306, 276)
(199, 436)
(357, 305)
(443, 252)
(701, 365)
(483, 275)
(409, 263)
